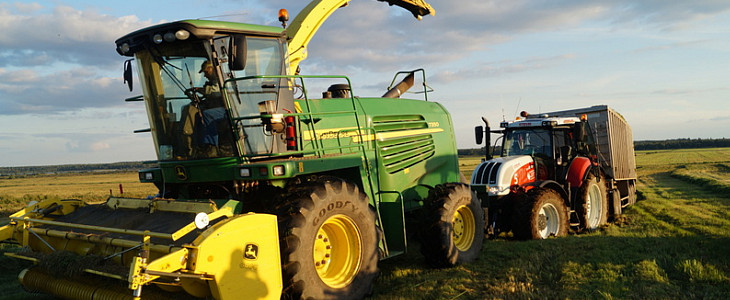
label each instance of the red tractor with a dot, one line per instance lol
(556, 170)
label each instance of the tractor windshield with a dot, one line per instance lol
(528, 141)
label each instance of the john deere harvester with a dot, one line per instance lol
(264, 190)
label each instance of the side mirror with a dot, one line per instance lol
(128, 73)
(237, 53)
(579, 132)
(479, 134)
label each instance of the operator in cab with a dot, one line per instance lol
(209, 127)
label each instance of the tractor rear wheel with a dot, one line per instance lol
(453, 228)
(540, 214)
(330, 244)
(592, 203)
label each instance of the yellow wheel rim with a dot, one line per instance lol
(464, 228)
(337, 251)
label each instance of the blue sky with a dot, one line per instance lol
(664, 65)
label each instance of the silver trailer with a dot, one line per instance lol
(615, 142)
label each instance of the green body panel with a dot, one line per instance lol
(404, 154)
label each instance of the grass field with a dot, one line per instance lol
(90, 187)
(672, 244)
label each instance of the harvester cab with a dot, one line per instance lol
(264, 191)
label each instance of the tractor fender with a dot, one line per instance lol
(578, 171)
(548, 184)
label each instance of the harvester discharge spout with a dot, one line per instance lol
(400, 88)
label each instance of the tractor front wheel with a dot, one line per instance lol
(330, 245)
(454, 226)
(541, 213)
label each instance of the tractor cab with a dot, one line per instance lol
(540, 147)
(206, 88)
(552, 142)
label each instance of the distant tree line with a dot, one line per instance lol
(681, 144)
(34, 170)
(137, 165)
(641, 145)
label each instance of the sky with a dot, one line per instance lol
(664, 65)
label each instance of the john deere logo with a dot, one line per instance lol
(180, 173)
(251, 251)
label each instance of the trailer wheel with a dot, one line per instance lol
(592, 203)
(330, 244)
(541, 213)
(453, 228)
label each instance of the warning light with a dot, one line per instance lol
(524, 114)
(583, 117)
(283, 17)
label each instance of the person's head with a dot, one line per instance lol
(207, 69)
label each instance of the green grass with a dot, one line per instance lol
(673, 244)
(17, 191)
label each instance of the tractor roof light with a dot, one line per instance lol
(124, 48)
(157, 38)
(549, 123)
(583, 117)
(182, 34)
(169, 37)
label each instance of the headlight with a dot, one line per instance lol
(493, 190)
(245, 172)
(146, 176)
(278, 170)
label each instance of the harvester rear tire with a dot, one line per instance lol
(330, 241)
(539, 214)
(592, 205)
(453, 228)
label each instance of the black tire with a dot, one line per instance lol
(592, 205)
(539, 214)
(632, 193)
(328, 223)
(453, 228)
(616, 206)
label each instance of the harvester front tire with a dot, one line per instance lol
(540, 214)
(330, 244)
(453, 228)
(592, 206)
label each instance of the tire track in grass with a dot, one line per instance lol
(681, 207)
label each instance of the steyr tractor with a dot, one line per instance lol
(558, 169)
(265, 191)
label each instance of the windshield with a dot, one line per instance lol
(191, 116)
(264, 57)
(186, 111)
(528, 142)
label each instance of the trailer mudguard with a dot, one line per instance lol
(577, 171)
